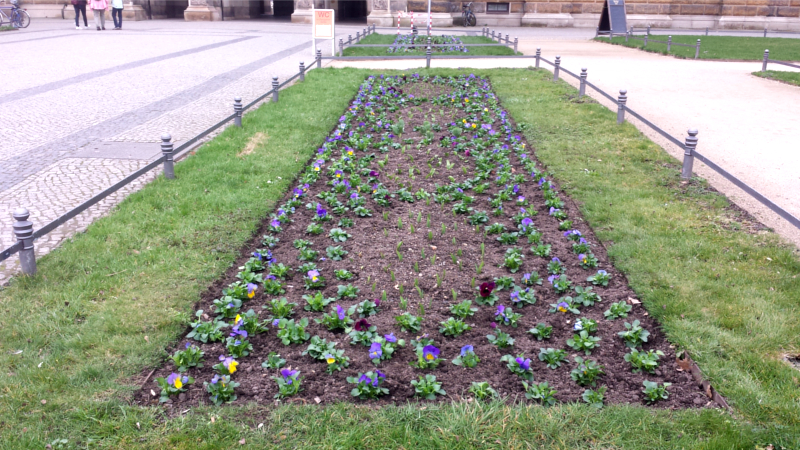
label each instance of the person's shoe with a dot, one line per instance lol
(98, 28)
(86, 27)
(77, 28)
(104, 28)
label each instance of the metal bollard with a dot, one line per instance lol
(349, 39)
(516, 43)
(648, 30)
(428, 58)
(319, 59)
(627, 35)
(237, 109)
(538, 55)
(556, 66)
(507, 40)
(358, 36)
(341, 47)
(621, 100)
(483, 31)
(302, 71)
(364, 33)
(669, 43)
(275, 89)
(596, 32)
(645, 40)
(582, 89)
(697, 49)
(23, 230)
(688, 156)
(166, 150)
(766, 59)
(492, 34)
(706, 31)
(765, 31)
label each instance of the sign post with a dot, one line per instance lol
(322, 28)
(612, 19)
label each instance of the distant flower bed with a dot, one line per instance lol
(417, 43)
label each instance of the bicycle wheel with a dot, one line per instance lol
(471, 21)
(23, 19)
(464, 18)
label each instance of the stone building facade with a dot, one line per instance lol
(777, 15)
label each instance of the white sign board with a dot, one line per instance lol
(322, 27)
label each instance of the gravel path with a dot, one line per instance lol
(748, 125)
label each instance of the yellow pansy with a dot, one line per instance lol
(463, 120)
(429, 356)
(251, 294)
(485, 109)
(237, 319)
(232, 367)
(474, 125)
(331, 360)
(316, 168)
(178, 383)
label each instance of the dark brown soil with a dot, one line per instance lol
(372, 256)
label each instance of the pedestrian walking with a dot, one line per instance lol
(99, 8)
(80, 8)
(116, 13)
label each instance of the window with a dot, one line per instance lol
(497, 8)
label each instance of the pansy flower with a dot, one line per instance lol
(175, 380)
(288, 374)
(582, 258)
(390, 337)
(375, 351)
(430, 352)
(329, 358)
(321, 212)
(515, 296)
(524, 364)
(275, 223)
(251, 290)
(467, 349)
(313, 275)
(563, 307)
(340, 312)
(486, 288)
(362, 325)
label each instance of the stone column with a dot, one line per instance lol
(302, 11)
(200, 10)
(379, 13)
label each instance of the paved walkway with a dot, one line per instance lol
(748, 125)
(81, 109)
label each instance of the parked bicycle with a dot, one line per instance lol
(468, 16)
(17, 17)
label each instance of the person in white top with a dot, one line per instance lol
(116, 13)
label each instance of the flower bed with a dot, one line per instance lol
(424, 253)
(405, 43)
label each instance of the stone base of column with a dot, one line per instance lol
(759, 23)
(201, 13)
(50, 11)
(547, 20)
(654, 20)
(303, 16)
(585, 20)
(438, 20)
(133, 12)
(495, 20)
(381, 19)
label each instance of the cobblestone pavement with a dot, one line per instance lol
(82, 109)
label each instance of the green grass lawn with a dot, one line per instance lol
(780, 75)
(105, 305)
(720, 47)
(389, 39)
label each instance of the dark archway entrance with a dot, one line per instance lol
(282, 8)
(353, 11)
(175, 9)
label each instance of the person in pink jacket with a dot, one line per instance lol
(99, 8)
